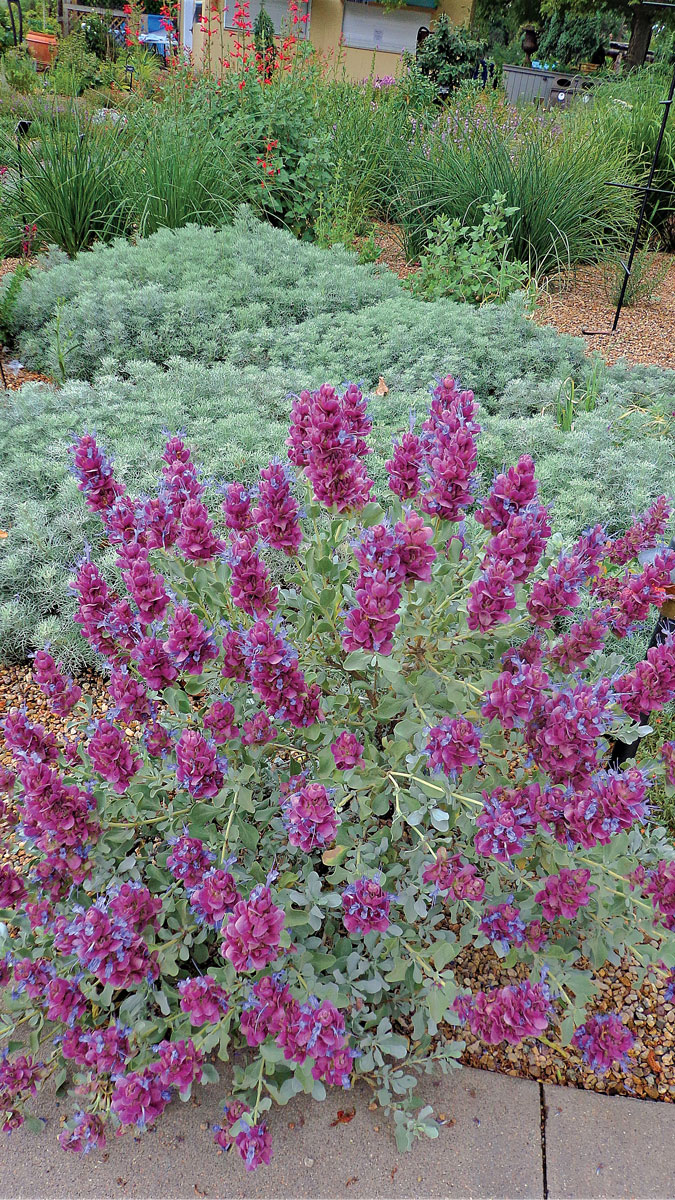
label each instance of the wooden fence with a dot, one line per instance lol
(74, 13)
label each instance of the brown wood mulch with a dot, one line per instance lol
(651, 1074)
(646, 330)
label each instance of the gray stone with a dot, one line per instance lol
(608, 1146)
(488, 1146)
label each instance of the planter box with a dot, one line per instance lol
(530, 83)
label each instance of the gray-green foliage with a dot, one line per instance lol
(257, 315)
(216, 295)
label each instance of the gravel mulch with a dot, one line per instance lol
(649, 1016)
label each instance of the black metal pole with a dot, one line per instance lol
(647, 190)
(627, 267)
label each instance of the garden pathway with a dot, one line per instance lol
(492, 1142)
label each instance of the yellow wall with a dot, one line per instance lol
(324, 33)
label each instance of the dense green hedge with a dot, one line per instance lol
(210, 332)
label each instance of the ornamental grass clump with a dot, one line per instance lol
(306, 799)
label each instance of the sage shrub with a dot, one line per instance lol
(307, 797)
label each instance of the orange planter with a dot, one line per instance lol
(42, 47)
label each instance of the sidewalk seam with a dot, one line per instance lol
(543, 1113)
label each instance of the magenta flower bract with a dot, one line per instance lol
(347, 751)
(250, 585)
(198, 768)
(507, 1014)
(366, 906)
(189, 860)
(454, 875)
(253, 931)
(94, 473)
(453, 745)
(62, 692)
(254, 1144)
(310, 818)
(189, 645)
(510, 493)
(196, 541)
(405, 466)
(272, 667)
(203, 999)
(86, 1134)
(277, 511)
(237, 508)
(219, 720)
(214, 897)
(565, 893)
(111, 756)
(643, 533)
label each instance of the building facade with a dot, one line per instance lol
(366, 38)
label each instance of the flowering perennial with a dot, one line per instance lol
(309, 791)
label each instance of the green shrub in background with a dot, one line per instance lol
(277, 129)
(42, 19)
(569, 39)
(471, 264)
(76, 68)
(256, 315)
(449, 54)
(6, 35)
(98, 37)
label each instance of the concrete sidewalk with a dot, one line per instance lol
(490, 1145)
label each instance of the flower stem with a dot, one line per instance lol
(165, 816)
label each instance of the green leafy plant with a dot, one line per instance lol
(368, 250)
(41, 19)
(8, 298)
(275, 129)
(19, 70)
(98, 37)
(471, 263)
(76, 68)
(6, 35)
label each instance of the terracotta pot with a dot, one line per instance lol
(42, 47)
